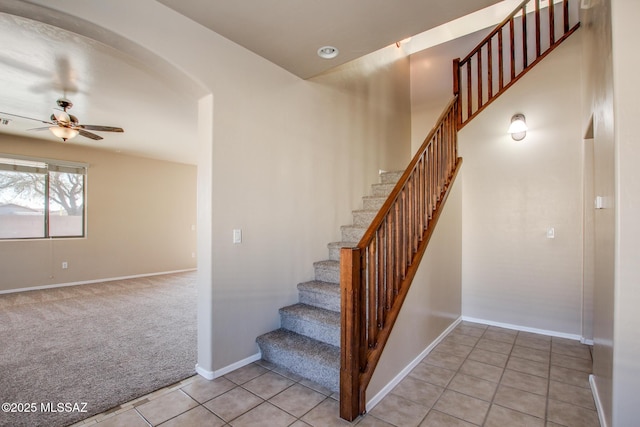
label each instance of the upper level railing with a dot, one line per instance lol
(375, 275)
(523, 39)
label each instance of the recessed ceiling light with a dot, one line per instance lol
(328, 52)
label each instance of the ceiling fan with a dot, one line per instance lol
(66, 126)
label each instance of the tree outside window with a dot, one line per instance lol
(41, 199)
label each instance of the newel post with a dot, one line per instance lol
(350, 326)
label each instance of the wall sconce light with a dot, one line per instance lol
(518, 127)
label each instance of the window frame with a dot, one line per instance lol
(46, 167)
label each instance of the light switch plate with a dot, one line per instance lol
(599, 202)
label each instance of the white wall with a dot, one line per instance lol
(286, 161)
(309, 151)
(432, 82)
(514, 191)
(434, 299)
(611, 92)
(588, 253)
(599, 109)
(626, 368)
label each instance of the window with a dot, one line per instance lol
(41, 198)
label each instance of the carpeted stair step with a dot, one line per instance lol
(352, 233)
(317, 323)
(309, 358)
(364, 218)
(382, 189)
(335, 247)
(327, 271)
(320, 294)
(390, 177)
(373, 202)
(309, 339)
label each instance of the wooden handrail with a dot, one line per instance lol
(474, 81)
(498, 27)
(376, 274)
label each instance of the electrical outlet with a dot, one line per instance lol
(65, 265)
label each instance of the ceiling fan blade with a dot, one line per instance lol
(89, 135)
(101, 128)
(28, 118)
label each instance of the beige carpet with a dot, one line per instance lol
(100, 344)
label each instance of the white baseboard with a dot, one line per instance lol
(575, 337)
(597, 400)
(402, 374)
(585, 341)
(211, 375)
(88, 282)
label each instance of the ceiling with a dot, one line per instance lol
(290, 32)
(40, 63)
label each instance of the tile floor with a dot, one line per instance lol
(477, 376)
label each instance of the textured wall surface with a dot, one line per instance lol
(515, 191)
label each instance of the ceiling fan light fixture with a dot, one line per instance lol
(61, 116)
(328, 52)
(67, 126)
(63, 132)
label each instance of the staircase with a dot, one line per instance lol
(308, 341)
(336, 334)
